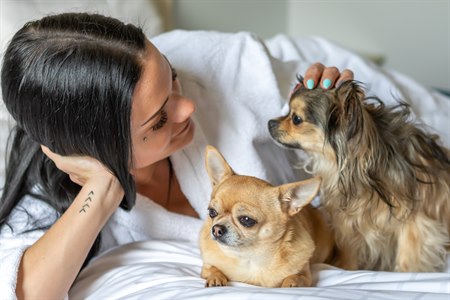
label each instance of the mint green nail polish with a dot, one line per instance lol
(310, 84)
(326, 83)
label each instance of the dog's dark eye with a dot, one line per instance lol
(212, 213)
(247, 221)
(296, 119)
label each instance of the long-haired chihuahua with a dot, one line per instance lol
(385, 180)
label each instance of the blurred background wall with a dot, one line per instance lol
(412, 36)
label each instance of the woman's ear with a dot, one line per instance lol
(216, 166)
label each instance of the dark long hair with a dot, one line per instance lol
(68, 81)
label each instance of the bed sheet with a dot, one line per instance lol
(171, 270)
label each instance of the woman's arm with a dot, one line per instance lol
(49, 267)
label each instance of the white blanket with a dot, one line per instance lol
(239, 83)
(170, 270)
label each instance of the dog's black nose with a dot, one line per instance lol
(218, 230)
(273, 125)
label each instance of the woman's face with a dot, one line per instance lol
(160, 115)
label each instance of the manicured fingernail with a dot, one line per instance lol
(326, 83)
(310, 84)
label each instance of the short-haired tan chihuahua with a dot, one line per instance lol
(261, 234)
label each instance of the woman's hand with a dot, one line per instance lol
(60, 252)
(79, 168)
(328, 77)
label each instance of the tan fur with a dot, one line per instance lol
(278, 249)
(385, 181)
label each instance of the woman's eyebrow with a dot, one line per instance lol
(156, 113)
(162, 106)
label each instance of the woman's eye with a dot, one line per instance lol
(247, 221)
(212, 213)
(161, 121)
(296, 119)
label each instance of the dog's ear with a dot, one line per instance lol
(294, 196)
(216, 166)
(350, 113)
(350, 90)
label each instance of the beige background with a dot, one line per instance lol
(412, 36)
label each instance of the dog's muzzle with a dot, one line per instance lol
(218, 233)
(273, 127)
(225, 236)
(273, 124)
(279, 135)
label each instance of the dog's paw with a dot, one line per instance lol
(296, 281)
(216, 280)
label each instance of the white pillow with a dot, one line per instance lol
(14, 14)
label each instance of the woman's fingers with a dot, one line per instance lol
(329, 77)
(65, 164)
(313, 75)
(326, 77)
(56, 158)
(79, 168)
(345, 75)
(47, 151)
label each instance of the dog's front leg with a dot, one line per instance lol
(421, 245)
(302, 279)
(213, 276)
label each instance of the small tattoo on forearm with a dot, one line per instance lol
(86, 205)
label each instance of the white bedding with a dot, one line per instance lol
(170, 270)
(214, 67)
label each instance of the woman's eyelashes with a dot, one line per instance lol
(161, 122)
(163, 119)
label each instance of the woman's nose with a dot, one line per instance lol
(183, 109)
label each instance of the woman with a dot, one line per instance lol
(100, 95)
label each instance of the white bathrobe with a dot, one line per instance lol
(238, 83)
